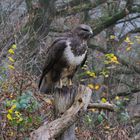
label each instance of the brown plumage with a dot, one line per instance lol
(64, 56)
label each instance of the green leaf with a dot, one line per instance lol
(100, 118)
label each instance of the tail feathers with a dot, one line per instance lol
(40, 81)
(45, 86)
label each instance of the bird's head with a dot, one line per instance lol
(83, 31)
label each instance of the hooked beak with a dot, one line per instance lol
(91, 34)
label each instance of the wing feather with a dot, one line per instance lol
(83, 62)
(54, 54)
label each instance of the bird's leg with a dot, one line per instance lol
(60, 83)
(69, 82)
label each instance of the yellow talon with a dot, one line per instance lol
(60, 83)
(70, 82)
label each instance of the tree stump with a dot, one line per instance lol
(63, 99)
(69, 101)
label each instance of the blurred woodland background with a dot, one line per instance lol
(27, 28)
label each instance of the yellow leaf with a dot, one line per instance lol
(103, 100)
(11, 67)
(127, 40)
(18, 114)
(9, 117)
(11, 59)
(10, 111)
(112, 37)
(13, 106)
(128, 48)
(11, 51)
(20, 119)
(88, 72)
(117, 98)
(126, 99)
(91, 86)
(92, 74)
(97, 87)
(114, 58)
(14, 46)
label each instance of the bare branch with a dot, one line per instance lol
(129, 19)
(107, 106)
(113, 19)
(125, 93)
(79, 7)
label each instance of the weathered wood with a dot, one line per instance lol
(55, 128)
(107, 106)
(63, 127)
(63, 99)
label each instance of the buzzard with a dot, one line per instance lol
(64, 56)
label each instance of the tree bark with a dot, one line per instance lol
(63, 100)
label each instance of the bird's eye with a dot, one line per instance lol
(85, 30)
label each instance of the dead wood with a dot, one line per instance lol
(55, 128)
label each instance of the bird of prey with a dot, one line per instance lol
(64, 56)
